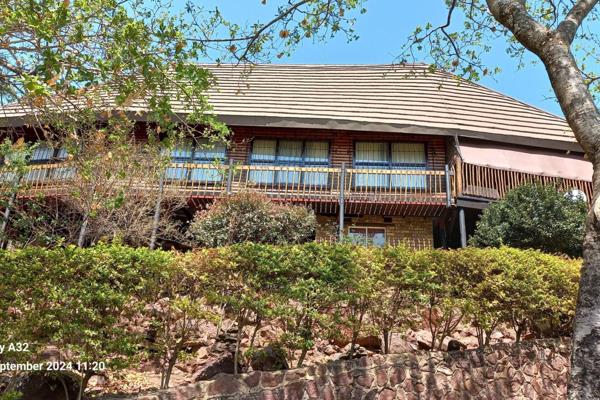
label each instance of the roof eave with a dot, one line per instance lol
(352, 125)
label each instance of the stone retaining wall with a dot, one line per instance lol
(533, 370)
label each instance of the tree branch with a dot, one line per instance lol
(513, 15)
(568, 27)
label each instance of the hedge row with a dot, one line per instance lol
(100, 303)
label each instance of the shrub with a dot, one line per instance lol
(88, 302)
(316, 280)
(440, 289)
(534, 216)
(80, 300)
(251, 217)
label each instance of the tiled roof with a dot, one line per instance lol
(385, 98)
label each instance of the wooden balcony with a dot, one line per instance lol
(493, 183)
(363, 191)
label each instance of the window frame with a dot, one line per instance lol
(194, 148)
(386, 180)
(302, 163)
(366, 228)
(390, 164)
(187, 173)
(53, 159)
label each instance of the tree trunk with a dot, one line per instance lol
(238, 342)
(553, 47)
(169, 371)
(518, 334)
(83, 231)
(386, 341)
(302, 357)
(7, 211)
(584, 119)
(585, 359)
(87, 375)
(257, 325)
(156, 218)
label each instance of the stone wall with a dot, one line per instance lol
(534, 370)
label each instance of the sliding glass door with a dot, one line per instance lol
(390, 156)
(201, 152)
(289, 153)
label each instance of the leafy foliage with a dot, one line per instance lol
(89, 302)
(251, 217)
(80, 300)
(534, 216)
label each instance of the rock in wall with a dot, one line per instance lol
(532, 370)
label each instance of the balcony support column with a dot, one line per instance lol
(229, 176)
(448, 186)
(462, 227)
(342, 200)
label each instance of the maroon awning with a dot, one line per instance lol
(528, 160)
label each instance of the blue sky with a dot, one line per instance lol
(383, 30)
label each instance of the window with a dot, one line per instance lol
(395, 156)
(368, 236)
(202, 152)
(272, 152)
(45, 154)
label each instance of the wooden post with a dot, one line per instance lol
(341, 200)
(463, 227)
(229, 176)
(156, 219)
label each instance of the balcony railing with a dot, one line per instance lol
(493, 183)
(309, 184)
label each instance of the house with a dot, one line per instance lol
(382, 153)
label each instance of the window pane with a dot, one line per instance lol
(287, 178)
(209, 151)
(61, 154)
(262, 177)
(358, 235)
(176, 173)
(409, 156)
(408, 153)
(182, 151)
(36, 175)
(376, 236)
(290, 152)
(413, 181)
(42, 153)
(263, 150)
(372, 153)
(316, 153)
(315, 179)
(64, 173)
(210, 175)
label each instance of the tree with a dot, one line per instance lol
(396, 285)
(560, 33)
(108, 187)
(534, 216)
(441, 292)
(314, 280)
(179, 311)
(563, 37)
(251, 217)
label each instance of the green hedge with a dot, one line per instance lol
(83, 300)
